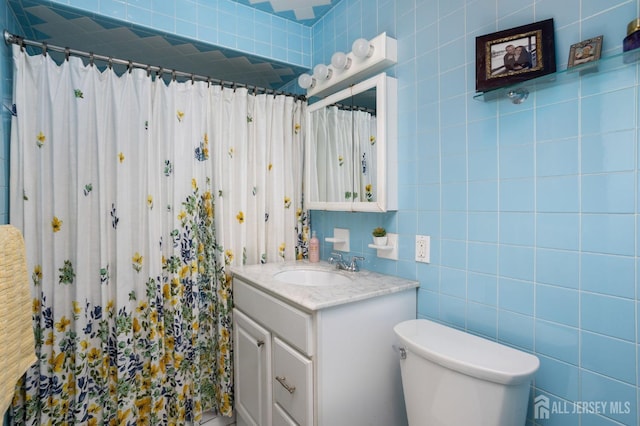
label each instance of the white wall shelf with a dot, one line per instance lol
(389, 251)
(340, 239)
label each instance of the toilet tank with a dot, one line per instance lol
(450, 377)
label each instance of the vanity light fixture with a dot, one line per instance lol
(367, 58)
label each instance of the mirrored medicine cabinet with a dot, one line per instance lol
(351, 151)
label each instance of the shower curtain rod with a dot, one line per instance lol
(10, 38)
(354, 108)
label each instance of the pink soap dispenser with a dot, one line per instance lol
(314, 248)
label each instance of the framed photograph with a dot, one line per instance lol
(586, 51)
(515, 55)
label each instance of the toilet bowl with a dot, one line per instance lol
(450, 377)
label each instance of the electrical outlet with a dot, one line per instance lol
(423, 243)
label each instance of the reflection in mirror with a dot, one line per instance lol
(345, 136)
(348, 158)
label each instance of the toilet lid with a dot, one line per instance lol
(466, 353)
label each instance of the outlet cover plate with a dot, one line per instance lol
(423, 248)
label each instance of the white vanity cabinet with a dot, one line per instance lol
(328, 367)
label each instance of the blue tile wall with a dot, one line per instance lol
(532, 208)
(9, 22)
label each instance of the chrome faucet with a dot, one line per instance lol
(337, 259)
(342, 265)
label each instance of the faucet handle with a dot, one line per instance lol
(335, 256)
(354, 262)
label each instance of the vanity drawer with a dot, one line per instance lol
(293, 382)
(292, 324)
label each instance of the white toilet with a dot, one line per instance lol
(454, 378)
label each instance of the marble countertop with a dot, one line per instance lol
(362, 285)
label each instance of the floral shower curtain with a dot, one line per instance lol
(115, 188)
(258, 155)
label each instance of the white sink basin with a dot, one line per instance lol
(311, 277)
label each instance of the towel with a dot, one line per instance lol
(17, 343)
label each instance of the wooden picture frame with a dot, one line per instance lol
(586, 51)
(515, 55)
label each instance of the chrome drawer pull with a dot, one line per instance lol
(260, 343)
(283, 382)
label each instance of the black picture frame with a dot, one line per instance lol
(515, 55)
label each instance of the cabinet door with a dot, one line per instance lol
(293, 382)
(252, 356)
(281, 418)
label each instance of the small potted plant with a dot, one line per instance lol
(379, 236)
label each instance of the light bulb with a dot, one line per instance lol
(322, 72)
(362, 48)
(306, 81)
(340, 61)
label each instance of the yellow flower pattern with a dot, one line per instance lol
(56, 224)
(228, 257)
(137, 260)
(40, 139)
(36, 275)
(62, 325)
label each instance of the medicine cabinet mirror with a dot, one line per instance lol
(351, 152)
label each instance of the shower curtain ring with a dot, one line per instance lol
(148, 70)
(110, 62)
(91, 58)
(192, 78)
(208, 81)
(130, 66)
(67, 52)
(173, 75)
(44, 48)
